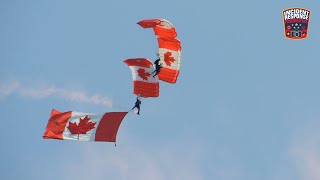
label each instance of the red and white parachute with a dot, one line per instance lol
(144, 84)
(169, 48)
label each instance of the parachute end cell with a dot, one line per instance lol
(143, 62)
(144, 89)
(168, 75)
(149, 23)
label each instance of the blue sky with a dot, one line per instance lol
(245, 106)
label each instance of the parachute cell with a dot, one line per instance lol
(144, 84)
(169, 48)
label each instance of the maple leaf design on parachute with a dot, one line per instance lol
(82, 128)
(168, 59)
(143, 74)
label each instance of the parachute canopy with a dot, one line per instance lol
(169, 48)
(144, 84)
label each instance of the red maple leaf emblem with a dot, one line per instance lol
(82, 128)
(168, 59)
(143, 74)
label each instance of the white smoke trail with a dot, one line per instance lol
(7, 89)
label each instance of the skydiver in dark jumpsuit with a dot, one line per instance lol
(137, 105)
(158, 67)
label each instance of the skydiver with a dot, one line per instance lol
(158, 66)
(137, 105)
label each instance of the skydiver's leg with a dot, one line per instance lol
(157, 72)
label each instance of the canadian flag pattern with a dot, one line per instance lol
(145, 85)
(81, 126)
(169, 48)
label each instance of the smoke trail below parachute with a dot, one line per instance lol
(16, 88)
